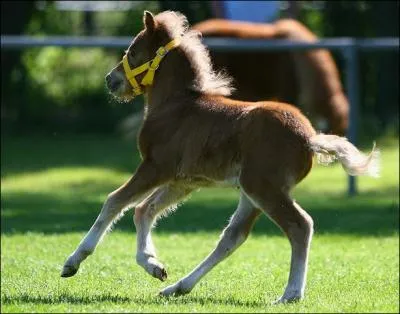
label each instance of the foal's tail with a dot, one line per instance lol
(328, 148)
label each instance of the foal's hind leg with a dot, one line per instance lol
(232, 237)
(145, 179)
(145, 213)
(297, 225)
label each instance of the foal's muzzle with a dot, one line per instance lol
(112, 82)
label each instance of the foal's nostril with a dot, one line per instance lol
(112, 83)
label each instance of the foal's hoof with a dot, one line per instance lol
(160, 273)
(68, 271)
(152, 266)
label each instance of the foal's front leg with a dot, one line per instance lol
(145, 214)
(142, 182)
(233, 236)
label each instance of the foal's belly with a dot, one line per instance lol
(229, 179)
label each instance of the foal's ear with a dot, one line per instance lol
(148, 21)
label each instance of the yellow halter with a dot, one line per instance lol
(150, 66)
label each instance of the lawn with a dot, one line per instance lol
(52, 189)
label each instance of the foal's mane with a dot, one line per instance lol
(207, 80)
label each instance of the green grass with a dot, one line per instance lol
(52, 190)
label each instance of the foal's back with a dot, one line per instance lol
(268, 138)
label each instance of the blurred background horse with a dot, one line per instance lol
(307, 79)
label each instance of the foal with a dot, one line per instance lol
(192, 137)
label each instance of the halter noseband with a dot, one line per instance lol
(150, 66)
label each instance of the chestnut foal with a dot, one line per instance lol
(192, 137)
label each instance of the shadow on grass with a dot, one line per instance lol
(225, 301)
(64, 298)
(153, 300)
(365, 214)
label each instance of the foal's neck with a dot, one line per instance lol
(172, 83)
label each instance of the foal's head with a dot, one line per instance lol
(167, 30)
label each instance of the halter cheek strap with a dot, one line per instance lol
(130, 74)
(150, 66)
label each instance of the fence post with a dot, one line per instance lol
(352, 84)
